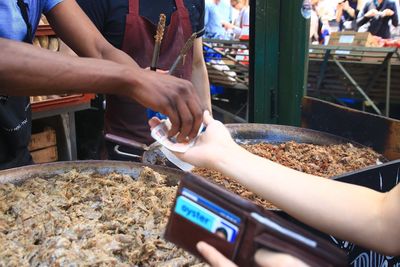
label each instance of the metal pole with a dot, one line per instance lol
(357, 86)
(264, 60)
(322, 70)
(293, 62)
(388, 82)
(230, 115)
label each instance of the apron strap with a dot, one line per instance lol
(179, 4)
(184, 16)
(24, 11)
(134, 7)
(182, 10)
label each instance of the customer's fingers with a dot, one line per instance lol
(266, 258)
(213, 256)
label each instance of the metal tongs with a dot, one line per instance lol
(122, 141)
(189, 43)
(158, 39)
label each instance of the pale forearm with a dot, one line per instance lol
(346, 211)
(200, 75)
(27, 70)
(202, 85)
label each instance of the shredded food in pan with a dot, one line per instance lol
(82, 219)
(85, 219)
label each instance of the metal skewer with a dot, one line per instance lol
(183, 52)
(158, 38)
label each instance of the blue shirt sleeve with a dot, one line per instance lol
(50, 4)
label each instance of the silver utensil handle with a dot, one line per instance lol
(119, 152)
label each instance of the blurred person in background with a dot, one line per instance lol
(319, 27)
(213, 21)
(315, 23)
(241, 21)
(376, 15)
(346, 14)
(224, 10)
(395, 31)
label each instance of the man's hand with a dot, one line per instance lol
(388, 12)
(173, 97)
(371, 13)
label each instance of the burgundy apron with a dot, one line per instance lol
(127, 118)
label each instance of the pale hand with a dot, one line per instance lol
(263, 258)
(388, 13)
(214, 144)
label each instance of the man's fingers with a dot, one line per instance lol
(213, 256)
(197, 114)
(186, 121)
(173, 116)
(267, 258)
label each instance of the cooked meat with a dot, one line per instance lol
(83, 219)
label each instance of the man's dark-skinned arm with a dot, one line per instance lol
(28, 70)
(36, 72)
(76, 30)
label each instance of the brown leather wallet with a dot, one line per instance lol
(203, 211)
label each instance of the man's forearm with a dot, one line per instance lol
(79, 33)
(27, 70)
